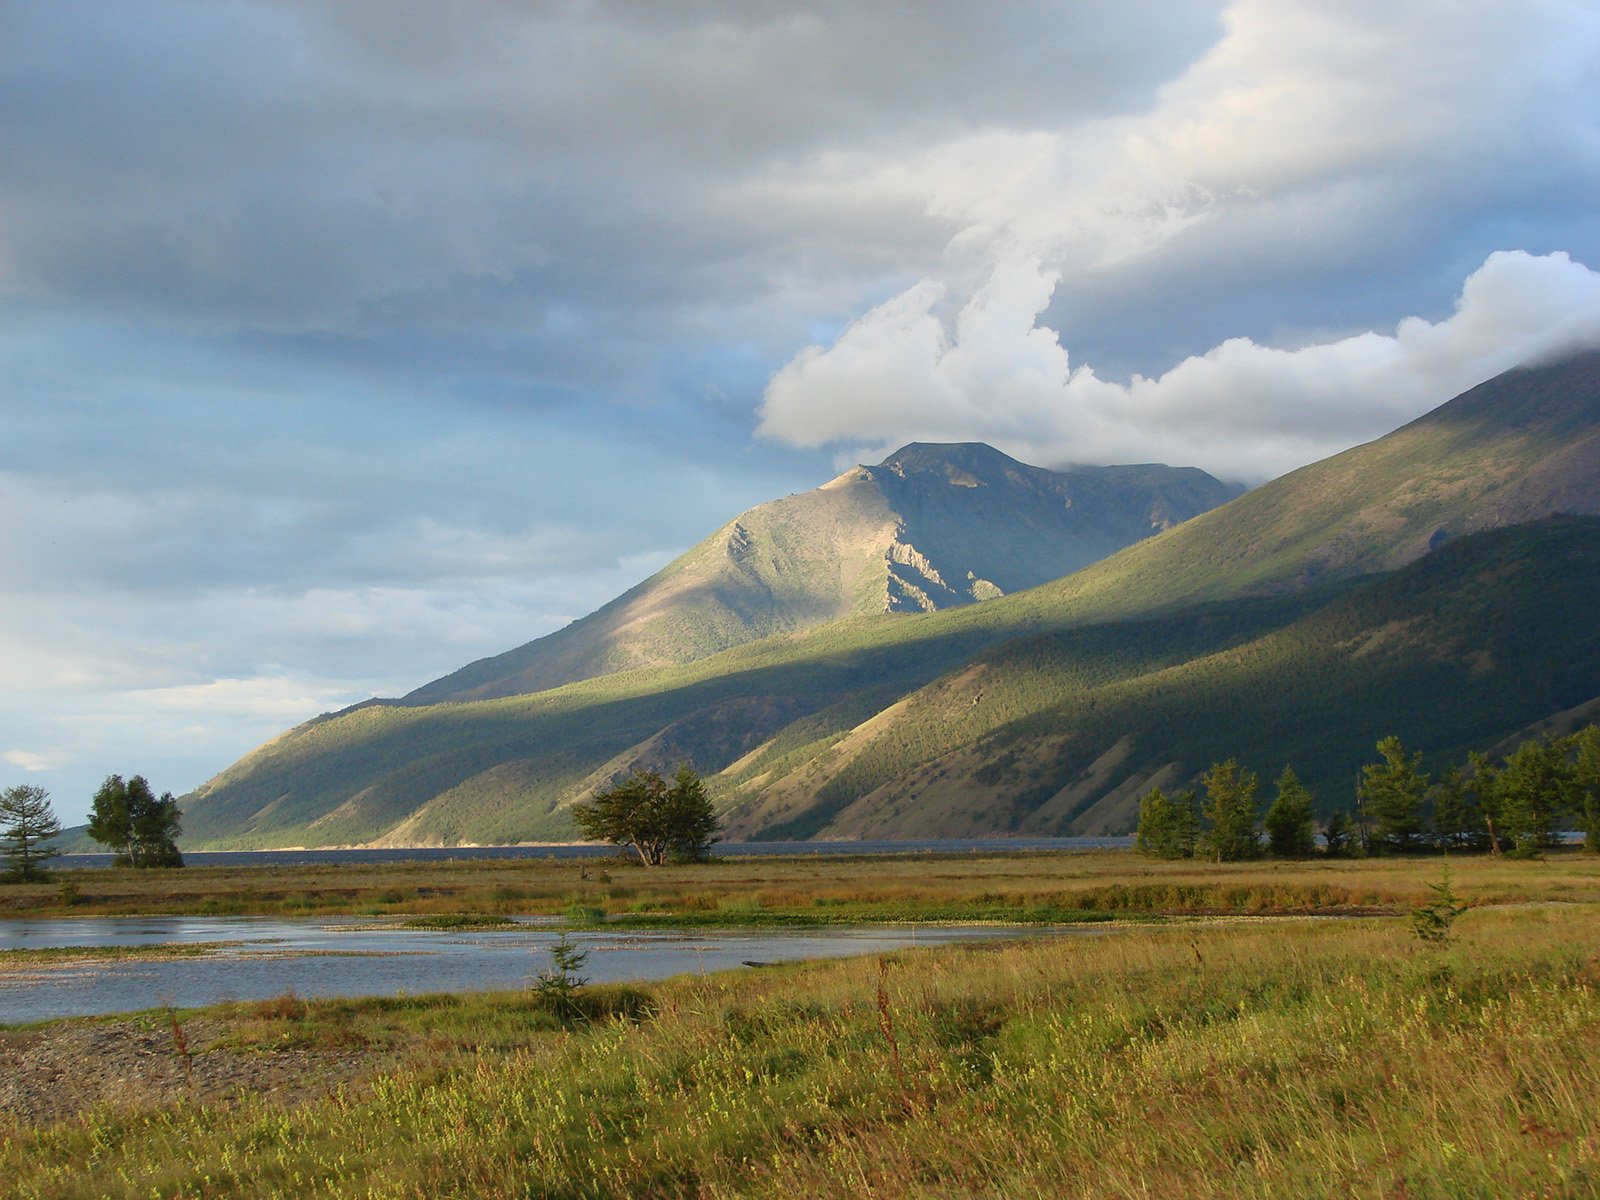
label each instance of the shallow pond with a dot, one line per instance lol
(267, 957)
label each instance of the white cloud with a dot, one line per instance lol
(29, 761)
(1312, 147)
(1241, 410)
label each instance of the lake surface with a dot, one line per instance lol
(245, 858)
(358, 957)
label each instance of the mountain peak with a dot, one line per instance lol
(977, 461)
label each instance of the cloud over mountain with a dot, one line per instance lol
(1241, 408)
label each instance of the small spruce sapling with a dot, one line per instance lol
(1431, 921)
(556, 987)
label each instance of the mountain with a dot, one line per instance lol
(1492, 633)
(931, 527)
(1415, 585)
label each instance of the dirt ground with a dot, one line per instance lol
(59, 1070)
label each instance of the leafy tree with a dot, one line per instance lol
(1169, 826)
(652, 816)
(1391, 795)
(141, 829)
(1337, 834)
(1536, 790)
(27, 822)
(1290, 829)
(1230, 806)
(1586, 778)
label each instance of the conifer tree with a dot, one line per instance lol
(1537, 789)
(1290, 829)
(1391, 797)
(1230, 806)
(27, 823)
(1337, 834)
(1458, 822)
(1168, 825)
(1586, 781)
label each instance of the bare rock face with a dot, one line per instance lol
(931, 527)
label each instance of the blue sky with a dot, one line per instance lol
(342, 343)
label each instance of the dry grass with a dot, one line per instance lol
(1277, 1059)
(1039, 886)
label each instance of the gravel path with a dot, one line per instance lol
(59, 1070)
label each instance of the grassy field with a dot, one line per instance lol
(1225, 1058)
(1046, 886)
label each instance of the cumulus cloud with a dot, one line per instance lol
(1241, 410)
(1309, 143)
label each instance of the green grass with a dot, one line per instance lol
(1282, 1060)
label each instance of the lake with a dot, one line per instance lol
(269, 956)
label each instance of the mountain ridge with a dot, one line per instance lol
(933, 526)
(765, 721)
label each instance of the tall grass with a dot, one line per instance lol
(1286, 1060)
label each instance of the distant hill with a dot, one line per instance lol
(1295, 622)
(931, 527)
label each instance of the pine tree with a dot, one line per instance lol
(1586, 780)
(1537, 789)
(1230, 806)
(1486, 787)
(27, 823)
(1337, 834)
(1168, 825)
(1458, 822)
(1391, 797)
(1290, 829)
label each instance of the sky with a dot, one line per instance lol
(344, 342)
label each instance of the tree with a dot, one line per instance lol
(1230, 806)
(1486, 787)
(1337, 834)
(1586, 775)
(1458, 821)
(652, 816)
(1536, 789)
(1290, 831)
(1169, 826)
(141, 829)
(27, 822)
(1391, 795)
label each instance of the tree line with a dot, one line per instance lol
(1518, 805)
(139, 827)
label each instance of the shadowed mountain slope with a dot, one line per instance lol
(1047, 709)
(931, 527)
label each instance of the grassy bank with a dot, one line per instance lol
(801, 889)
(1236, 1059)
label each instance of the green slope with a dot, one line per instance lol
(794, 726)
(1487, 635)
